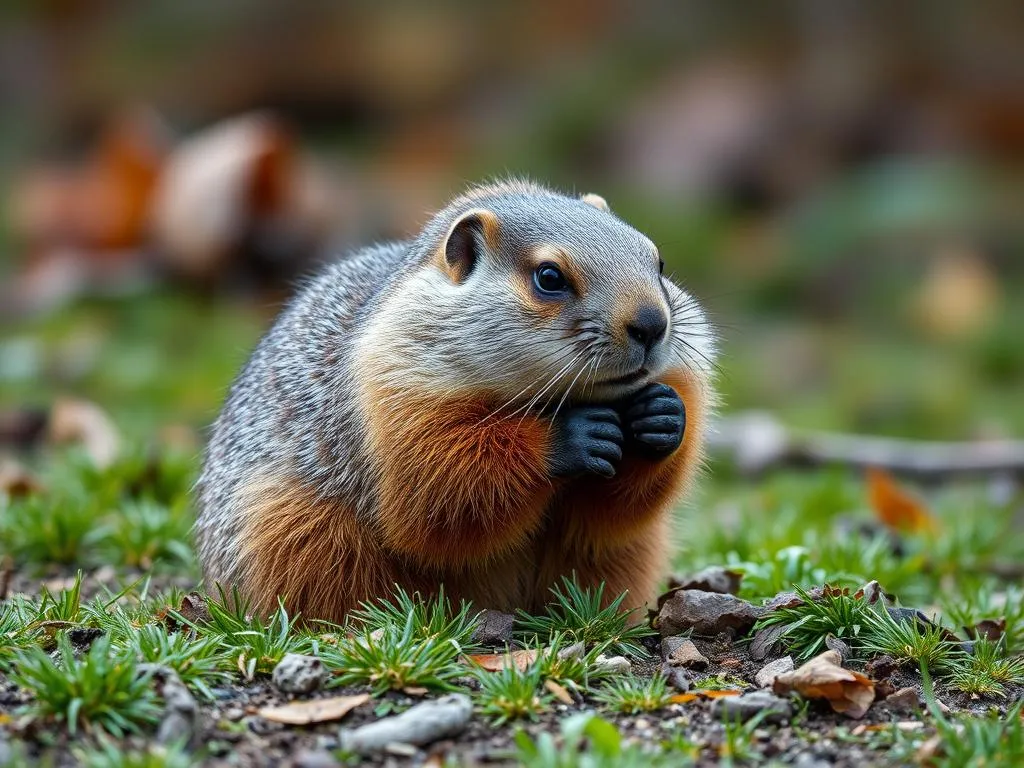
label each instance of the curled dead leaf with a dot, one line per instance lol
(315, 711)
(847, 692)
(895, 507)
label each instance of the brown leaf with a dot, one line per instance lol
(848, 692)
(16, 480)
(416, 690)
(315, 711)
(559, 692)
(82, 422)
(987, 629)
(896, 507)
(495, 662)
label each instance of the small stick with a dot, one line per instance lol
(758, 441)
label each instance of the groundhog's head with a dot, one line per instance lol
(540, 298)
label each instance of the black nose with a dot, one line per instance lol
(648, 326)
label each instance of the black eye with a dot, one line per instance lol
(549, 279)
(661, 266)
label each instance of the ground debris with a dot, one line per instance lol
(749, 705)
(765, 677)
(180, 720)
(705, 613)
(419, 725)
(296, 673)
(313, 711)
(847, 692)
(493, 628)
(682, 651)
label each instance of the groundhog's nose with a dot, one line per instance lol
(647, 326)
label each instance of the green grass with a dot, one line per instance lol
(394, 657)
(101, 690)
(512, 693)
(808, 624)
(432, 618)
(633, 695)
(251, 644)
(577, 612)
(910, 641)
(108, 754)
(199, 662)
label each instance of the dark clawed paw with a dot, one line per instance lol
(655, 419)
(587, 440)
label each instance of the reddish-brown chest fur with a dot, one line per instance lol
(465, 500)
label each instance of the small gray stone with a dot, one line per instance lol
(314, 758)
(686, 654)
(748, 705)
(838, 645)
(419, 725)
(766, 676)
(712, 579)
(493, 628)
(616, 665)
(296, 673)
(706, 613)
(180, 720)
(676, 677)
(904, 700)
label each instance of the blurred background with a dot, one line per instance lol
(841, 182)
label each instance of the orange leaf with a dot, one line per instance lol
(896, 507)
(683, 698)
(495, 662)
(714, 694)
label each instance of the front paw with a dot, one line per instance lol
(587, 440)
(655, 419)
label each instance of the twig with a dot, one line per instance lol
(758, 441)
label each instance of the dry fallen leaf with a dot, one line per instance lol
(79, 421)
(559, 692)
(848, 692)
(683, 698)
(315, 711)
(16, 480)
(495, 662)
(717, 694)
(894, 506)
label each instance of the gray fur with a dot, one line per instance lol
(294, 408)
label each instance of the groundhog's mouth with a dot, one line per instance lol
(629, 378)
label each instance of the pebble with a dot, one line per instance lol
(314, 758)
(706, 613)
(766, 676)
(686, 654)
(750, 704)
(616, 665)
(904, 700)
(493, 628)
(296, 673)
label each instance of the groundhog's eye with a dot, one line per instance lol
(661, 266)
(549, 280)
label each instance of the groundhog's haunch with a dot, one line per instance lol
(492, 405)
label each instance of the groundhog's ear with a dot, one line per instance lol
(595, 200)
(472, 233)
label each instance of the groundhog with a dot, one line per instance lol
(515, 395)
